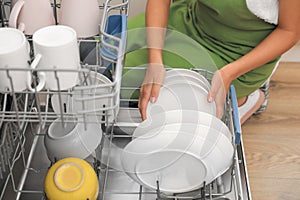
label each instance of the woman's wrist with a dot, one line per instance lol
(228, 74)
(155, 56)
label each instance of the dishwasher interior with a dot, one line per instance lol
(25, 118)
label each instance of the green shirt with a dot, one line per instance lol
(204, 34)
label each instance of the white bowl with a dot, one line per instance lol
(84, 99)
(181, 116)
(72, 140)
(181, 96)
(180, 161)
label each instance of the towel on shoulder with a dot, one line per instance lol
(265, 9)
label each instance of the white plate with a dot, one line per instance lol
(200, 130)
(87, 99)
(180, 96)
(181, 78)
(187, 72)
(185, 159)
(84, 100)
(65, 101)
(185, 80)
(181, 116)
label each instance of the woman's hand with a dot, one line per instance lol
(151, 85)
(157, 13)
(219, 88)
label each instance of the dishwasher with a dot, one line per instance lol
(25, 117)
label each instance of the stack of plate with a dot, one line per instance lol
(181, 144)
(183, 90)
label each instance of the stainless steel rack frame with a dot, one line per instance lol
(25, 116)
(115, 184)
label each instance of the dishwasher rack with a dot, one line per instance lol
(232, 185)
(25, 117)
(114, 183)
(108, 50)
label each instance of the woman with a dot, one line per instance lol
(244, 38)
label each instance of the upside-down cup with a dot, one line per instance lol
(70, 139)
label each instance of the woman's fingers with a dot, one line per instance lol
(211, 95)
(218, 92)
(154, 92)
(220, 109)
(215, 86)
(148, 93)
(151, 86)
(219, 99)
(145, 92)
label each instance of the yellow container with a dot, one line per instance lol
(71, 178)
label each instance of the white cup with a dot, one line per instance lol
(31, 15)
(72, 140)
(57, 48)
(82, 15)
(14, 53)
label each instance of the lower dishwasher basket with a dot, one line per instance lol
(26, 174)
(115, 184)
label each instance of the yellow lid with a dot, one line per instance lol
(69, 177)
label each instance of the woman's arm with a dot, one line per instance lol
(279, 41)
(157, 12)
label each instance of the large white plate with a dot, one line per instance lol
(185, 159)
(180, 96)
(188, 73)
(197, 130)
(181, 116)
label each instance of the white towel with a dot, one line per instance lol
(265, 9)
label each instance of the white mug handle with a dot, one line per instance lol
(42, 75)
(13, 18)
